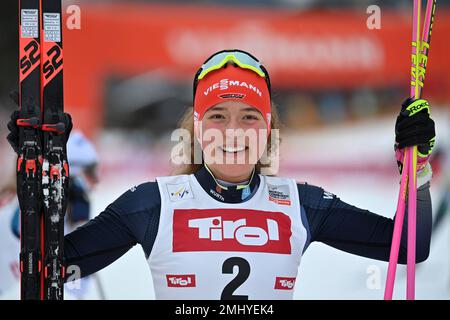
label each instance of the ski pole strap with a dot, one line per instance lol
(58, 128)
(32, 122)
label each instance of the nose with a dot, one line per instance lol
(232, 123)
(233, 128)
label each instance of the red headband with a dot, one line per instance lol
(236, 84)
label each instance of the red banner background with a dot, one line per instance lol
(309, 49)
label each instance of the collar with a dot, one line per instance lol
(226, 194)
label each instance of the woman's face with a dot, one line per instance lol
(233, 137)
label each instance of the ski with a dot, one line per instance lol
(42, 168)
(55, 170)
(30, 153)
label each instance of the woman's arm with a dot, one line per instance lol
(361, 232)
(133, 218)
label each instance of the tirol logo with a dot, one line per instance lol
(231, 230)
(181, 280)
(282, 283)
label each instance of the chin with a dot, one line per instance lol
(230, 172)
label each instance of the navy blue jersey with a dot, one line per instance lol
(133, 219)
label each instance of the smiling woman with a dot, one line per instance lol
(233, 119)
(224, 229)
(192, 144)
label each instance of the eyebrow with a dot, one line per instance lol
(250, 109)
(218, 108)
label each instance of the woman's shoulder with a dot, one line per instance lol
(140, 197)
(314, 196)
(145, 196)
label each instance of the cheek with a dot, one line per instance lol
(211, 125)
(255, 124)
(212, 132)
(259, 145)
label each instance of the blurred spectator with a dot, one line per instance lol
(332, 107)
(83, 161)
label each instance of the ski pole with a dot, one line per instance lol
(419, 56)
(420, 68)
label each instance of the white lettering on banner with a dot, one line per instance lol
(296, 51)
(215, 229)
(179, 281)
(287, 283)
(224, 84)
(283, 283)
(243, 230)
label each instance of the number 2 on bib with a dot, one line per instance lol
(241, 277)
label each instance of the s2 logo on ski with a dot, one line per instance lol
(50, 66)
(30, 58)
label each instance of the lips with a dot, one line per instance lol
(234, 150)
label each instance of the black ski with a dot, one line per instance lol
(30, 154)
(55, 170)
(42, 169)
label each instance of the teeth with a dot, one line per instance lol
(233, 149)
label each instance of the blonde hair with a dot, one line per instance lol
(187, 123)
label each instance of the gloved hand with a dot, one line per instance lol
(414, 127)
(13, 125)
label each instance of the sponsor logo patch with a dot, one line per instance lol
(217, 194)
(283, 283)
(279, 194)
(231, 96)
(180, 280)
(179, 191)
(224, 84)
(242, 230)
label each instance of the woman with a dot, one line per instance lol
(220, 212)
